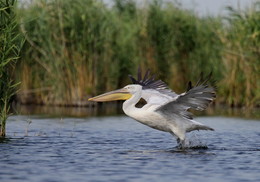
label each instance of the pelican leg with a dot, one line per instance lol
(178, 141)
(181, 143)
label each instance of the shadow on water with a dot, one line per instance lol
(115, 108)
(4, 140)
(100, 109)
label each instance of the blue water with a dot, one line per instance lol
(119, 149)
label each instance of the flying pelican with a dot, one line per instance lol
(164, 109)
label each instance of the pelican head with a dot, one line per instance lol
(164, 109)
(124, 93)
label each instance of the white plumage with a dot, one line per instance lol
(164, 110)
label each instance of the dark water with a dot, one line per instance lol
(120, 149)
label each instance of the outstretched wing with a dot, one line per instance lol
(153, 91)
(148, 82)
(197, 97)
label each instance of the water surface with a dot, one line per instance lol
(118, 148)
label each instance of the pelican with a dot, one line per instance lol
(164, 109)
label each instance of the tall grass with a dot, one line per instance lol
(10, 44)
(77, 48)
(182, 45)
(241, 57)
(74, 48)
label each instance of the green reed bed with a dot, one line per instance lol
(75, 49)
(10, 44)
(241, 56)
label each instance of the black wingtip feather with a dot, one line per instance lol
(148, 82)
(207, 78)
(147, 74)
(132, 79)
(202, 80)
(189, 86)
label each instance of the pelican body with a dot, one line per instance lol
(164, 110)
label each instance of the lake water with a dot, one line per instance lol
(117, 148)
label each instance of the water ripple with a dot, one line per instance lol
(119, 149)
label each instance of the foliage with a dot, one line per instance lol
(10, 43)
(241, 57)
(77, 48)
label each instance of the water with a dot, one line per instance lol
(41, 149)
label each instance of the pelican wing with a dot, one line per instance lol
(148, 82)
(153, 91)
(197, 98)
(157, 97)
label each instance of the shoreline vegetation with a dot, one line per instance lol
(75, 49)
(11, 42)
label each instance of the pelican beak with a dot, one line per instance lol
(120, 94)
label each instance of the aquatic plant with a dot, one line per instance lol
(88, 51)
(10, 44)
(75, 49)
(241, 57)
(182, 45)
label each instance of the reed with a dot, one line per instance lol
(10, 44)
(182, 45)
(75, 49)
(90, 50)
(241, 57)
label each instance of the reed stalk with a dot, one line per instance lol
(75, 49)
(10, 44)
(241, 57)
